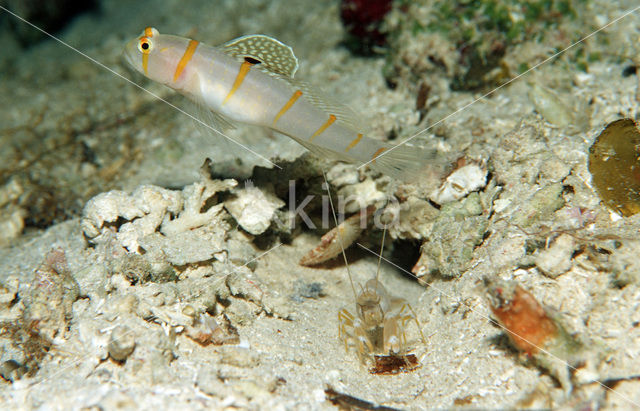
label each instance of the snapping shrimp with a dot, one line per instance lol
(379, 326)
(378, 329)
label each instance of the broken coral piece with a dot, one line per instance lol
(12, 214)
(50, 297)
(457, 230)
(557, 258)
(253, 209)
(184, 226)
(205, 330)
(143, 211)
(458, 184)
(48, 302)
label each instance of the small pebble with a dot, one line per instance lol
(189, 311)
(122, 343)
(207, 380)
(12, 370)
(238, 357)
(240, 312)
(251, 389)
(303, 289)
(556, 259)
(243, 283)
(550, 105)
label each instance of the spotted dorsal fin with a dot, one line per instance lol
(273, 55)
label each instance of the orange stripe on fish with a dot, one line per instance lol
(145, 63)
(148, 32)
(188, 53)
(287, 106)
(332, 118)
(144, 45)
(354, 142)
(377, 154)
(242, 73)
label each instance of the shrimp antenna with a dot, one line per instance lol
(384, 233)
(339, 234)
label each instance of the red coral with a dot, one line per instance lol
(363, 20)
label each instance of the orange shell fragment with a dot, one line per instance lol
(528, 325)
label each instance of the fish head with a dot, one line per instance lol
(156, 55)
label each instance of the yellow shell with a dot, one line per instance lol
(614, 163)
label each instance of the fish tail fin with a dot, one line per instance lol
(402, 162)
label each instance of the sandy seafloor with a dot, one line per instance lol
(289, 351)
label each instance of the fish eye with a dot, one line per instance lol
(144, 45)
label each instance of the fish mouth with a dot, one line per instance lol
(127, 54)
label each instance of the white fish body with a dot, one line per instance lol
(250, 80)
